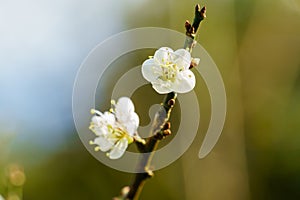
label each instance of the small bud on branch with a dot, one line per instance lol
(191, 29)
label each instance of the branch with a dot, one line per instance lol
(150, 147)
(191, 29)
(161, 126)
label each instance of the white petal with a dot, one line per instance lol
(161, 88)
(103, 143)
(182, 58)
(163, 55)
(125, 104)
(151, 70)
(124, 108)
(109, 118)
(96, 120)
(119, 149)
(185, 82)
(100, 130)
(132, 124)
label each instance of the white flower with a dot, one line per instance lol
(115, 129)
(168, 71)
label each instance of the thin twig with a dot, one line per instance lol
(150, 147)
(191, 29)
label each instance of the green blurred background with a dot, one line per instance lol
(255, 44)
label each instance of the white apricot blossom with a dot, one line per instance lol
(168, 71)
(115, 129)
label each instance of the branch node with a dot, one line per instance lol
(148, 172)
(166, 132)
(194, 63)
(191, 29)
(167, 126)
(171, 102)
(125, 190)
(159, 135)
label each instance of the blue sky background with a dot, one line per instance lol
(42, 45)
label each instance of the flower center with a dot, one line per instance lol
(169, 71)
(118, 133)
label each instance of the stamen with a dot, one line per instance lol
(97, 148)
(91, 142)
(93, 111)
(113, 102)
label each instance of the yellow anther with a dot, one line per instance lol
(91, 142)
(93, 111)
(97, 148)
(113, 102)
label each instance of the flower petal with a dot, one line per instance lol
(109, 118)
(163, 55)
(119, 149)
(103, 143)
(132, 124)
(161, 88)
(100, 130)
(182, 58)
(96, 120)
(151, 70)
(123, 109)
(185, 82)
